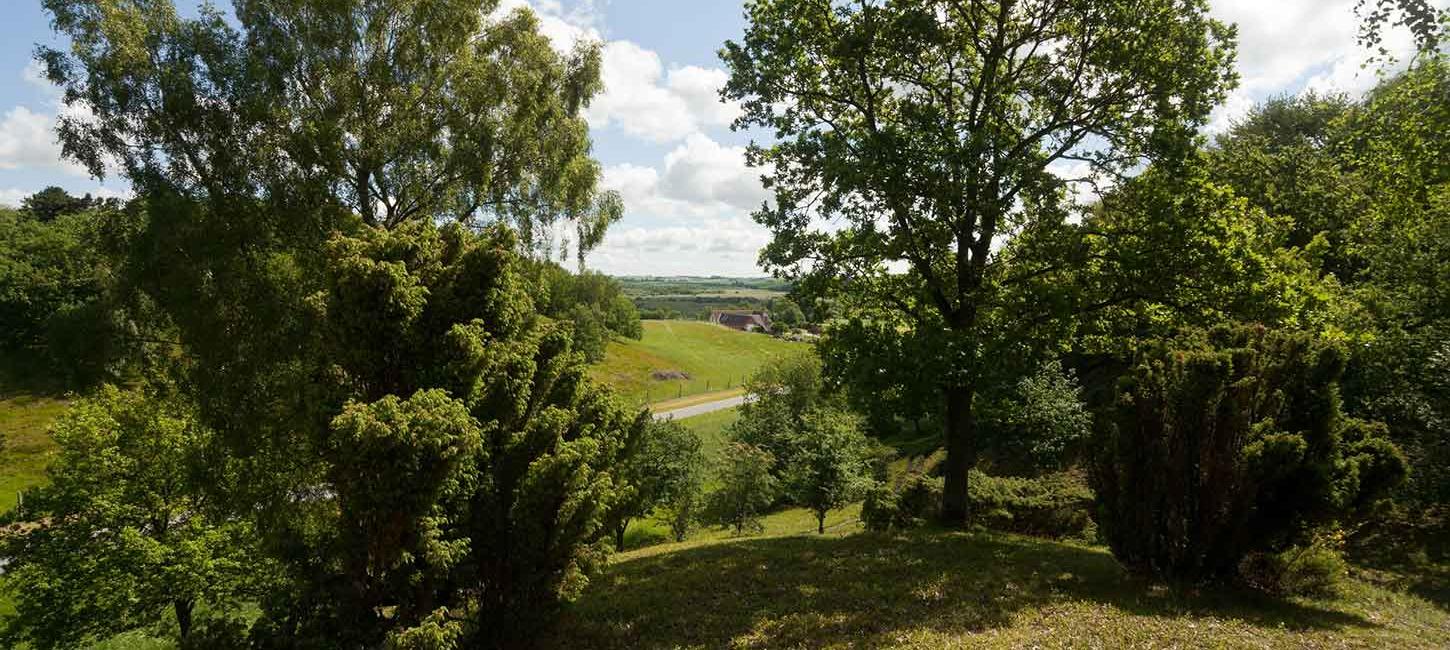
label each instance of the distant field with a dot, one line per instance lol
(714, 358)
(24, 420)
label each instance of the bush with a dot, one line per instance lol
(1056, 506)
(916, 499)
(1231, 442)
(1315, 569)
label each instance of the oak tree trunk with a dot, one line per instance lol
(961, 453)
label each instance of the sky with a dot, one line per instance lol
(659, 129)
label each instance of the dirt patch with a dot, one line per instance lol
(667, 375)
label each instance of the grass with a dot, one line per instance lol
(940, 589)
(24, 421)
(715, 358)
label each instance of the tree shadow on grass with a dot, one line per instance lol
(866, 589)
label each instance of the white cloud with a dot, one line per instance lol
(1285, 46)
(701, 178)
(28, 141)
(727, 246)
(702, 170)
(563, 27)
(644, 101)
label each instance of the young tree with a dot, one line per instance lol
(832, 466)
(664, 470)
(126, 536)
(681, 511)
(1229, 442)
(333, 204)
(746, 488)
(928, 130)
(779, 396)
(1038, 424)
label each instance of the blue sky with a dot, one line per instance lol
(659, 129)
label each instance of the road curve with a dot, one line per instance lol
(700, 409)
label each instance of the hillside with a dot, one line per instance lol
(938, 589)
(714, 358)
(24, 422)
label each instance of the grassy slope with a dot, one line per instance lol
(935, 589)
(714, 357)
(24, 420)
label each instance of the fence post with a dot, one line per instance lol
(682, 390)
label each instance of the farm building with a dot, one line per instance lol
(746, 321)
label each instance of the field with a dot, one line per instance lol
(715, 358)
(940, 589)
(27, 447)
(693, 297)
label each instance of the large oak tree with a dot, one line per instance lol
(913, 138)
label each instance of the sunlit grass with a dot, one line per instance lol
(715, 358)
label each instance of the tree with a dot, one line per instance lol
(54, 295)
(1230, 442)
(335, 206)
(1039, 423)
(783, 310)
(928, 129)
(832, 465)
(681, 511)
(779, 396)
(53, 202)
(746, 488)
(664, 470)
(127, 536)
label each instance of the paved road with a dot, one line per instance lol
(700, 409)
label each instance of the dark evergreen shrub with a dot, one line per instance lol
(1228, 442)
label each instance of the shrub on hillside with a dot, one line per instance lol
(916, 499)
(1314, 569)
(1056, 505)
(1230, 442)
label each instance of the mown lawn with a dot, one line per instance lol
(939, 589)
(714, 357)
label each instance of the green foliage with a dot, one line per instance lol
(665, 471)
(1039, 424)
(53, 202)
(335, 201)
(1359, 189)
(52, 294)
(127, 536)
(1057, 505)
(1228, 442)
(784, 311)
(594, 302)
(915, 499)
(886, 371)
(937, 146)
(745, 488)
(780, 399)
(831, 463)
(1315, 569)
